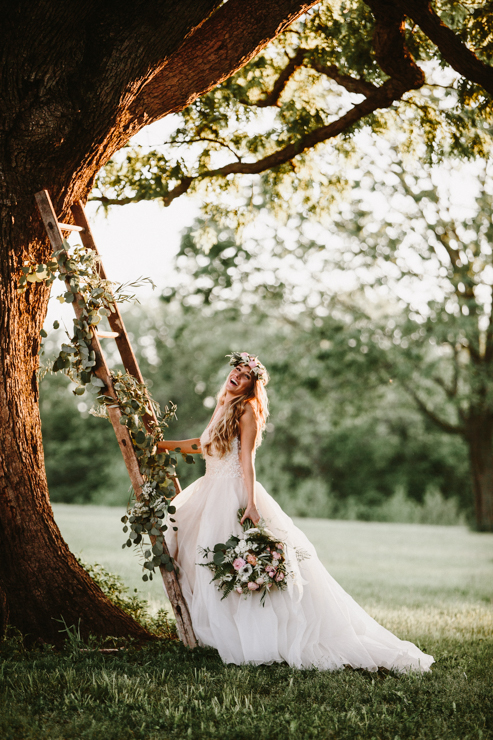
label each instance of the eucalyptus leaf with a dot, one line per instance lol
(218, 558)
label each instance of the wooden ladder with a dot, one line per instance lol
(54, 231)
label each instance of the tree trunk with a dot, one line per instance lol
(41, 579)
(71, 94)
(480, 440)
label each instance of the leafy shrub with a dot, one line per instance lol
(113, 587)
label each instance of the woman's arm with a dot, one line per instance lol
(185, 445)
(248, 437)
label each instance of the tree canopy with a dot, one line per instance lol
(286, 122)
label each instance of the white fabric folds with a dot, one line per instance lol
(313, 623)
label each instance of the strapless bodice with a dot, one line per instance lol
(227, 466)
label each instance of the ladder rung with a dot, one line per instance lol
(70, 227)
(107, 334)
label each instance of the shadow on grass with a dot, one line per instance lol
(165, 690)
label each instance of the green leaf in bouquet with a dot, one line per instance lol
(218, 557)
(220, 546)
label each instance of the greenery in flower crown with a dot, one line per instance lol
(251, 361)
(96, 298)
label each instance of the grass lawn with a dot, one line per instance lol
(433, 585)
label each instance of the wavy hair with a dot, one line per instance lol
(227, 427)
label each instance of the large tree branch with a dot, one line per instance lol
(396, 61)
(231, 37)
(445, 426)
(272, 98)
(352, 84)
(456, 53)
(382, 99)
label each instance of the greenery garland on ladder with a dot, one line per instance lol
(96, 297)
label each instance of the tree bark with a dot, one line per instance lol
(479, 436)
(72, 76)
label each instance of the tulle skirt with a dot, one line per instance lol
(313, 623)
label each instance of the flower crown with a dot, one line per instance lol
(243, 358)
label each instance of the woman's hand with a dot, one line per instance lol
(251, 512)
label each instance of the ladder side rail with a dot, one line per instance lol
(115, 319)
(170, 579)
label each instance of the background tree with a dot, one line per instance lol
(441, 347)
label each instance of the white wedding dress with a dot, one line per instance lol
(313, 623)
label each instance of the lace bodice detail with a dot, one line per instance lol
(228, 466)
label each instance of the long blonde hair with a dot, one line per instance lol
(227, 427)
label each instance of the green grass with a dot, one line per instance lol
(432, 585)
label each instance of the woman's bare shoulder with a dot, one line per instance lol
(247, 418)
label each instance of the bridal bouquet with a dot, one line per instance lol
(253, 562)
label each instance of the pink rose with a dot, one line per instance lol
(239, 590)
(252, 364)
(252, 559)
(238, 563)
(245, 356)
(280, 546)
(279, 577)
(260, 581)
(253, 586)
(271, 571)
(276, 555)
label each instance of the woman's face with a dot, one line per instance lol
(240, 380)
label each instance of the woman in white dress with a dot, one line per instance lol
(313, 622)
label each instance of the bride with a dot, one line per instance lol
(313, 622)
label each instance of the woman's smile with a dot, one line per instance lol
(239, 379)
